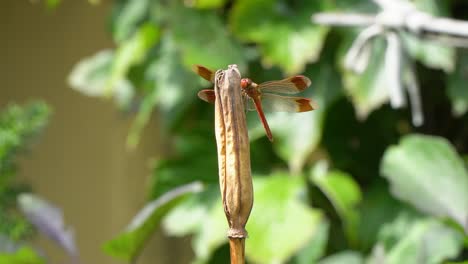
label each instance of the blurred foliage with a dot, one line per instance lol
(23, 255)
(18, 127)
(319, 197)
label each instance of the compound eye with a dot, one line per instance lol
(245, 83)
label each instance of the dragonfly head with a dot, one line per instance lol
(245, 83)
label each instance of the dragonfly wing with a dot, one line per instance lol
(279, 103)
(249, 104)
(207, 95)
(204, 72)
(289, 85)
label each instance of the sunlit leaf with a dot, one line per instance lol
(285, 35)
(427, 172)
(368, 90)
(19, 126)
(315, 249)
(457, 88)
(278, 215)
(345, 257)
(377, 208)
(53, 3)
(345, 194)
(130, 53)
(280, 224)
(89, 76)
(128, 245)
(203, 38)
(128, 15)
(413, 240)
(203, 216)
(204, 4)
(23, 255)
(173, 88)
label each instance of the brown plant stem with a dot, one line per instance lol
(237, 249)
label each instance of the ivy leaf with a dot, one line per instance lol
(280, 224)
(130, 53)
(345, 194)
(53, 3)
(172, 89)
(345, 257)
(368, 90)
(203, 216)
(315, 249)
(205, 4)
(204, 40)
(457, 91)
(378, 207)
(127, 16)
(128, 244)
(277, 215)
(21, 256)
(284, 33)
(89, 76)
(416, 240)
(427, 172)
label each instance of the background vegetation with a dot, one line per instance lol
(352, 182)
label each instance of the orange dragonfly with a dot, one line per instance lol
(265, 96)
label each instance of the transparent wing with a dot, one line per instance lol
(289, 85)
(249, 104)
(278, 103)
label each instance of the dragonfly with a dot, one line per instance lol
(270, 96)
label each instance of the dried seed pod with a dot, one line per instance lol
(233, 151)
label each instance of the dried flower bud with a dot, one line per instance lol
(233, 151)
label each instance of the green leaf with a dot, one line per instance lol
(413, 240)
(345, 257)
(203, 38)
(23, 255)
(378, 207)
(89, 76)
(457, 90)
(280, 224)
(368, 90)
(172, 89)
(131, 52)
(345, 195)
(202, 215)
(128, 244)
(53, 3)
(205, 4)
(427, 172)
(315, 249)
(284, 32)
(195, 158)
(127, 16)
(431, 53)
